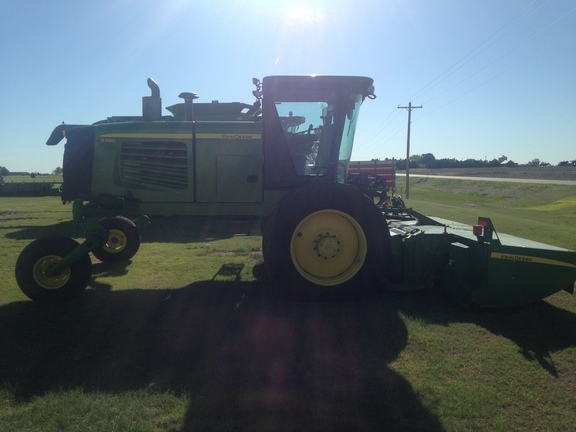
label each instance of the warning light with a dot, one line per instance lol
(482, 221)
(478, 230)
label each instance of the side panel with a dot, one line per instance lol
(518, 275)
(238, 178)
(229, 162)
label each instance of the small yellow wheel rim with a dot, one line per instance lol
(53, 282)
(117, 241)
(328, 247)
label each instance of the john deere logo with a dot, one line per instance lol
(530, 259)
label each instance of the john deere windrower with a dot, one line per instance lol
(282, 159)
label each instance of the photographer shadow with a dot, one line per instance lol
(297, 366)
(246, 359)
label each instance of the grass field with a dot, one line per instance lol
(38, 178)
(184, 337)
(519, 172)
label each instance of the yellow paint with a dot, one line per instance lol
(141, 135)
(530, 259)
(182, 136)
(228, 136)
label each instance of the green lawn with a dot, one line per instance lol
(47, 178)
(184, 337)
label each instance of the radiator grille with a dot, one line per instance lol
(163, 164)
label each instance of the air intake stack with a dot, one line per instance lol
(189, 107)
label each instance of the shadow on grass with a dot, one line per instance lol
(172, 229)
(247, 359)
(244, 358)
(539, 329)
(33, 232)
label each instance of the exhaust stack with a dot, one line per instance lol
(152, 105)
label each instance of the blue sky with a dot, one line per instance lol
(494, 77)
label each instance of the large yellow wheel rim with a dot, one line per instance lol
(117, 241)
(328, 247)
(54, 282)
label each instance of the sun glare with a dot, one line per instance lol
(304, 15)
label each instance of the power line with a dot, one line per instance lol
(448, 72)
(409, 108)
(496, 60)
(522, 15)
(383, 125)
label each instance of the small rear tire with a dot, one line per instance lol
(38, 257)
(123, 240)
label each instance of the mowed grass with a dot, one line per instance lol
(185, 337)
(541, 212)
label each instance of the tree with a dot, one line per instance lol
(534, 162)
(4, 171)
(400, 164)
(428, 159)
(415, 160)
(57, 171)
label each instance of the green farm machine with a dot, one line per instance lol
(282, 160)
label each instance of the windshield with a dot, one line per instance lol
(316, 131)
(307, 127)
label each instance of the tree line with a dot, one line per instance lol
(5, 172)
(427, 160)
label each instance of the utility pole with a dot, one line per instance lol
(409, 108)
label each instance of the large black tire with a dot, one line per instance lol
(35, 260)
(123, 240)
(326, 242)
